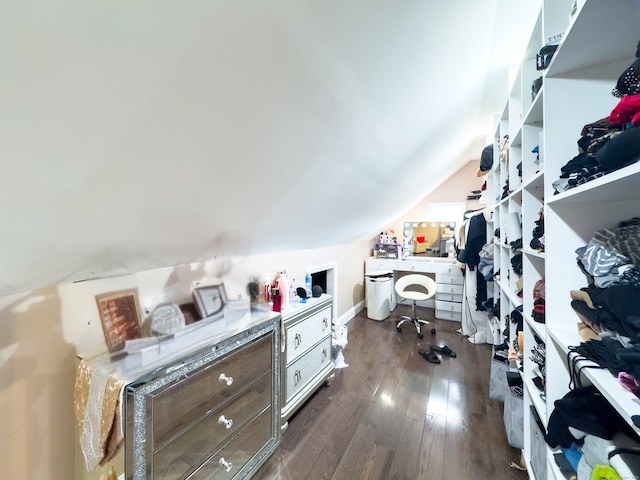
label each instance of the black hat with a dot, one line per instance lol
(316, 290)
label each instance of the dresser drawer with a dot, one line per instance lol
(380, 264)
(300, 372)
(447, 269)
(448, 315)
(448, 306)
(449, 279)
(449, 297)
(238, 452)
(302, 335)
(186, 400)
(195, 442)
(449, 288)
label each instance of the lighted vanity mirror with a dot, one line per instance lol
(430, 239)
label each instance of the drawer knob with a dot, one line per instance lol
(324, 354)
(227, 422)
(227, 465)
(224, 379)
(325, 322)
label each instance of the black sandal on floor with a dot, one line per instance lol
(429, 356)
(444, 350)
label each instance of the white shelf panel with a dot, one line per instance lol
(535, 183)
(534, 115)
(613, 44)
(533, 253)
(565, 337)
(554, 470)
(625, 403)
(538, 403)
(540, 329)
(621, 185)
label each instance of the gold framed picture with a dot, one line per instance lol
(210, 299)
(120, 317)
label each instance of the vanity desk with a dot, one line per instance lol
(205, 404)
(448, 276)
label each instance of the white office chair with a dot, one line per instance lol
(416, 288)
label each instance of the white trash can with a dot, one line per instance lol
(379, 294)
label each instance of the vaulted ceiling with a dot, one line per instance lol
(141, 134)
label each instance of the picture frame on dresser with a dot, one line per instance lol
(210, 299)
(120, 317)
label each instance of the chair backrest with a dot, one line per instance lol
(406, 287)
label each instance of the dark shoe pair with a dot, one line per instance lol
(444, 350)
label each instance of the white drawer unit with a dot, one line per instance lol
(449, 293)
(448, 276)
(306, 356)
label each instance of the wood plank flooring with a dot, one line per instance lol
(393, 415)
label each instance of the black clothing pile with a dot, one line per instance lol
(516, 264)
(586, 410)
(537, 242)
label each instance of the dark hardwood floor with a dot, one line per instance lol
(393, 415)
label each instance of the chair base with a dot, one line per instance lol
(418, 322)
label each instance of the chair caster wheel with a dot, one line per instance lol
(433, 331)
(420, 336)
(398, 329)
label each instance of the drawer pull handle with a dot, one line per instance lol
(227, 422)
(224, 379)
(324, 354)
(298, 340)
(297, 377)
(227, 465)
(325, 322)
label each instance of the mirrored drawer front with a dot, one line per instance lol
(448, 315)
(449, 306)
(449, 288)
(186, 400)
(306, 333)
(195, 442)
(450, 279)
(307, 366)
(227, 463)
(449, 297)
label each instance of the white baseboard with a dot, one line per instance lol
(347, 316)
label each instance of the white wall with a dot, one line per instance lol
(454, 189)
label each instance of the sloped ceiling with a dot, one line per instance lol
(141, 134)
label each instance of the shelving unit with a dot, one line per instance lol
(597, 44)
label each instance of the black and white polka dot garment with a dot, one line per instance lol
(629, 82)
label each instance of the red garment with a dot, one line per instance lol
(627, 111)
